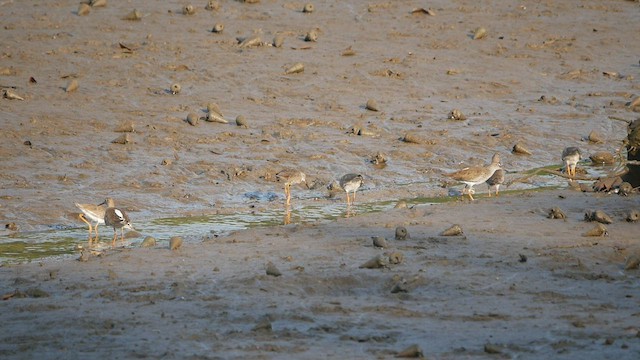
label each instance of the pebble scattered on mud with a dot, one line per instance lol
(598, 216)
(175, 243)
(454, 230)
(379, 242)
(598, 230)
(519, 149)
(241, 121)
(556, 213)
(122, 139)
(72, 86)
(378, 261)
(83, 9)
(295, 68)
(479, 33)
(456, 114)
(272, 270)
(134, 15)
(401, 232)
(372, 105)
(412, 351)
(192, 119)
(148, 242)
(602, 158)
(308, 8)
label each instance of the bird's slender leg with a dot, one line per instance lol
(81, 216)
(354, 197)
(470, 192)
(115, 236)
(497, 190)
(348, 202)
(287, 192)
(96, 230)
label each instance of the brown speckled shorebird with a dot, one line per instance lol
(291, 177)
(94, 213)
(571, 156)
(351, 183)
(495, 181)
(476, 175)
(117, 218)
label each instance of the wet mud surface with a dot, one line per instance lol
(379, 81)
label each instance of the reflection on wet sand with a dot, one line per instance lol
(287, 216)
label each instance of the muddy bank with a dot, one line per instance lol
(514, 283)
(535, 78)
(101, 117)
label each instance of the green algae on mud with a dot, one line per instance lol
(30, 246)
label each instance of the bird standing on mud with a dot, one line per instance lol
(117, 219)
(291, 177)
(571, 156)
(476, 175)
(351, 183)
(95, 213)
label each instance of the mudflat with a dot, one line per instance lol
(430, 87)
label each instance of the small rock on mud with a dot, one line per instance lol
(519, 149)
(401, 205)
(379, 242)
(556, 213)
(376, 262)
(598, 230)
(602, 158)
(272, 270)
(412, 351)
(479, 33)
(241, 121)
(175, 242)
(295, 68)
(372, 105)
(72, 86)
(396, 258)
(402, 233)
(122, 139)
(192, 119)
(456, 114)
(148, 242)
(595, 137)
(625, 189)
(308, 8)
(598, 216)
(454, 230)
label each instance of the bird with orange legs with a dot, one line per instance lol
(476, 175)
(351, 183)
(95, 214)
(291, 177)
(571, 156)
(117, 219)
